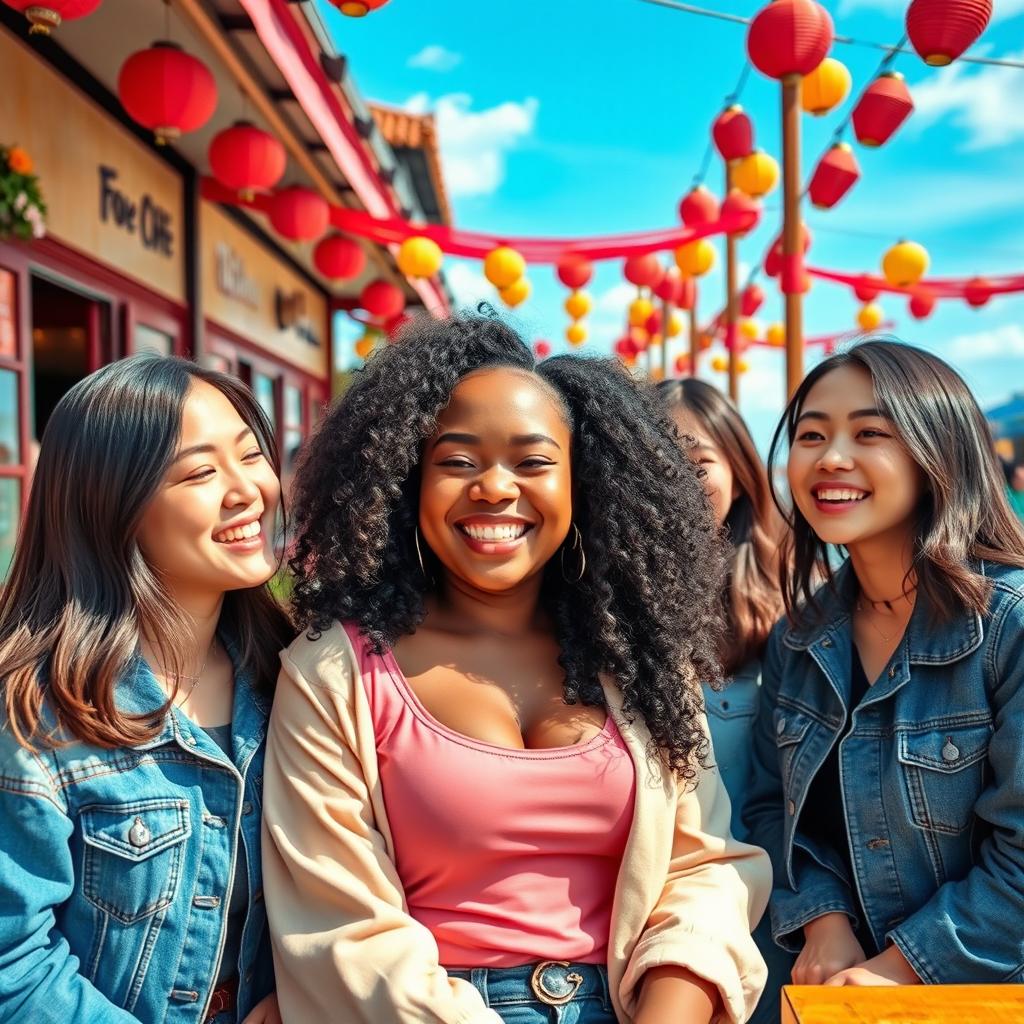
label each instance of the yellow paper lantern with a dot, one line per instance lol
(776, 335)
(518, 291)
(578, 305)
(576, 334)
(365, 345)
(640, 311)
(870, 316)
(742, 366)
(750, 329)
(695, 258)
(825, 87)
(756, 174)
(656, 340)
(720, 364)
(905, 264)
(675, 325)
(419, 257)
(503, 266)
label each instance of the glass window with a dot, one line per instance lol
(149, 339)
(292, 422)
(10, 447)
(263, 389)
(10, 506)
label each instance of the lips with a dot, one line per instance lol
(498, 532)
(493, 535)
(838, 495)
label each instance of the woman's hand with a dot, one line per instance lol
(888, 968)
(829, 947)
(670, 994)
(265, 1012)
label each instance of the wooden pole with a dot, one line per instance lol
(792, 242)
(730, 301)
(694, 335)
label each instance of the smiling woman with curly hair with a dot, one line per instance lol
(488, 789)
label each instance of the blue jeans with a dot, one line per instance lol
(516, 999)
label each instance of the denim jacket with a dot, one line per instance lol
(116, 868)
(730, 719)
(932, 779)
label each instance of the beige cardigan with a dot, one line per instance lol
(347, 950)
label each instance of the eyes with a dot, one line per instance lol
(532, 462)
(204, 473)
(864, 434)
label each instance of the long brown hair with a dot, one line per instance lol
(752, 600)
(80, 593)
(963, 517)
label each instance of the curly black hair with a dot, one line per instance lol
(647, 609)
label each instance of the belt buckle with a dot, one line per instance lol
(553, 998)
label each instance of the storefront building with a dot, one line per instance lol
(134, 259)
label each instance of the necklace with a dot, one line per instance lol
(196, 679)
(873, 625)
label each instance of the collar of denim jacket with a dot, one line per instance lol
(924, 643)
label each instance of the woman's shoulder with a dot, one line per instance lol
(327, 658)
(1007, 580)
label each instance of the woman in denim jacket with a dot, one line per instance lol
(889, 740)
(737, 487)
(136, 642)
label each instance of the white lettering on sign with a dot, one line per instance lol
(232, 279)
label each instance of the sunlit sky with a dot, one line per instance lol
(587, 117)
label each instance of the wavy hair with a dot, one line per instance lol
(80, 592)
(646, 611)
(963, 516)
(753, 603)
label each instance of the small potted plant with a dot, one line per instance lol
(22, 210)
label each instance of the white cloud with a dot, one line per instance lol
(1005, 342)
(468, 285)
(474, 144)
(613, 303)
(986, 102)
(434, 58)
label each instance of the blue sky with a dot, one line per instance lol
(585, 117)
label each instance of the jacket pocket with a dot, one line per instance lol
(133, 854)
(944, 772)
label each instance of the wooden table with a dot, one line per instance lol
(913, 1004)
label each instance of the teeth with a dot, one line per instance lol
(840, 494)
(504, 532)
(238, 533)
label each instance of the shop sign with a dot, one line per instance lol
(143, 217)
(232, 280)
(291, 313)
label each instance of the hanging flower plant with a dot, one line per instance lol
(22, 210)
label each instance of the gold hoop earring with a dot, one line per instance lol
(577, 545)
(419, 553)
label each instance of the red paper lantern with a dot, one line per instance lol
(167, 90)
(737, 202)
(687, 293)
(834, 176)
(382, 299)
(626, 348)
(865, 290)
(733, 133)
(789, 37)
(299, 213)
(751, 300)
(653, 325)
(247, 159)
(885, 105)
(358, 8)
(682, 365)
(643, 271)
(394, 324)
(940, 30)
(669, 288)
(339, 258)
(541, 348)
(47, 15)
(574, 271)
(978, 291)
(922, 302)
(773, 261)
(698, 207)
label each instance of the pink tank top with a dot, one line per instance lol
(506, 856)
